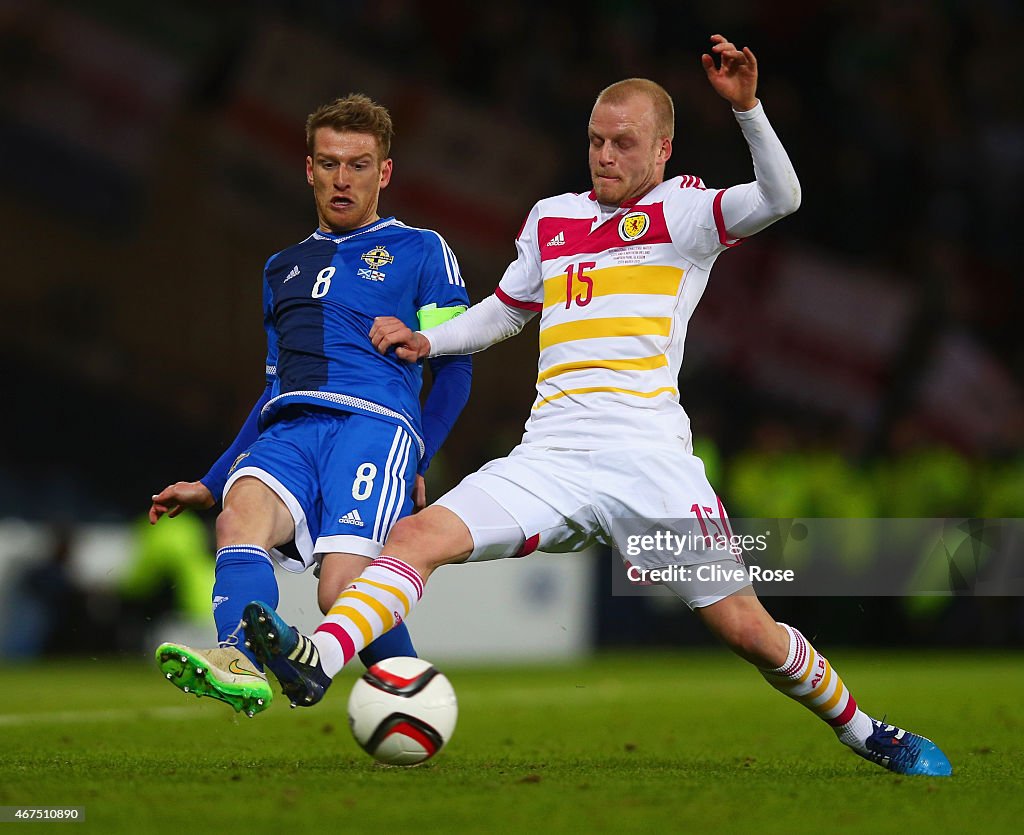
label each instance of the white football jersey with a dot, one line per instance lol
(615, 296)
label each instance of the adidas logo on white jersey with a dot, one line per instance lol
(352, 518)
(292, 274)
(558, 240)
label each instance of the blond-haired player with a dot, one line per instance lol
(615, 275)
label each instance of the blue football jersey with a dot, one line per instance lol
(320, 298)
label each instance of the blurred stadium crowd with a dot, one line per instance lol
(861, 358)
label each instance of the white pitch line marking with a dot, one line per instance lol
(9, 719)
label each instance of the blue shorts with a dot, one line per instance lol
(346, 478)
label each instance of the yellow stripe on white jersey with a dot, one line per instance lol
(638, 364)
(604, 328)
(610, 281)
(594, 389)
(614, 301)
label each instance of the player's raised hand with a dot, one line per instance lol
(388, 332)
(734, 77)
(178, 497)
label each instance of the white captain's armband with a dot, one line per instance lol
(430, 316)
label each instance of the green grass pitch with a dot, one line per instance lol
(688, 741)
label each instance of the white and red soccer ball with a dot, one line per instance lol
(402, 711)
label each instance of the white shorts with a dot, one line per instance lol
(560, 500)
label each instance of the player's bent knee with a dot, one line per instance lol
(407, 538)
(429, 539)
(253, 514)
(236, 526)
(230, 528)
(404, 530)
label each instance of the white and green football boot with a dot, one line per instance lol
(221, 673)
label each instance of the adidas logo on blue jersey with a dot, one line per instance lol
(295, 271)
(352, 518)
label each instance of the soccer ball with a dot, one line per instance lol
(402, 711)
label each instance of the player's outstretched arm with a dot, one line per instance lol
(178, 497)
(775, 192)
(484, 324)
(734, 77)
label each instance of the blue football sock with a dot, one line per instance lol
(244, 573)
(394, 643)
